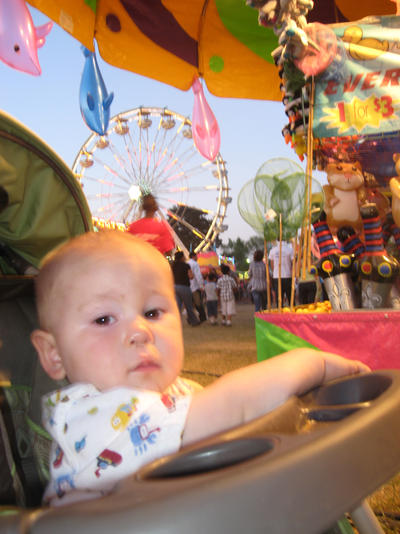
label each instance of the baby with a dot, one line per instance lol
(109, 322)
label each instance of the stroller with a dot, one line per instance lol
(296, 470)
(41, 205)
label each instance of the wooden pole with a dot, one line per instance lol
(308, 185)
(310, 154)
(299, 252)
(294, 245)
(268, 277)
(280, 265)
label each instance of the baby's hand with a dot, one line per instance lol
(336, 366)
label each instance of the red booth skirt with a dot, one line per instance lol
(370, 336)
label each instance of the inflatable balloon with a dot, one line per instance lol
(205, 129)
(94, 100)
(19, 39)
(320, 52)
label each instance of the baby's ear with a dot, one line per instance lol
(46, 347)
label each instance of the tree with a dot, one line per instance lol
(239, 250)
(196, 221)
(255, 242)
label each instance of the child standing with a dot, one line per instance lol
(109, 322)
(212, 298)
(226, 287)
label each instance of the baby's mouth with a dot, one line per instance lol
(145, 365)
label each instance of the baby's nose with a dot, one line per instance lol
(139, 332)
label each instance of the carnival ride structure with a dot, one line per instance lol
(151, 150)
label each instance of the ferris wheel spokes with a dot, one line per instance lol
(151, 150)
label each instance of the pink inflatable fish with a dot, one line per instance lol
(19, 39)
(205, 129)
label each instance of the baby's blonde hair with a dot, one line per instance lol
(98, 244)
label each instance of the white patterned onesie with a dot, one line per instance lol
(101, 437)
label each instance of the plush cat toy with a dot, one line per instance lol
(344, 195)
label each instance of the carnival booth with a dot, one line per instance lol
(340, 89)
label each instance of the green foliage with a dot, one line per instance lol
(241, 250)
(255, 242)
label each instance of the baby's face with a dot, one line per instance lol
(117, 322)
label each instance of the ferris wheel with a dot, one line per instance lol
(151, 150)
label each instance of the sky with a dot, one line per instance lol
(49, 105)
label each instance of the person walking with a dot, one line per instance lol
(197, 286)
(212, 298)
(182, 275)
(283, 252)
(258, 280)
(226, 287)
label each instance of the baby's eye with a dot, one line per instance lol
(104, 320)
(155, 313)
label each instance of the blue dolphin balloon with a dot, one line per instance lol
(94, 100)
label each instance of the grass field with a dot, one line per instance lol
(211, 351)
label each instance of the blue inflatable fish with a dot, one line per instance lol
(94, 100)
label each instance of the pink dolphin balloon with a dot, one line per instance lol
(205, 127)
(19, 39)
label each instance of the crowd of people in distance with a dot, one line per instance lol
(307, 288)
(196, 293)
(205, 296)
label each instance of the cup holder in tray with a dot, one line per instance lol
(208, 458)
(338, 400)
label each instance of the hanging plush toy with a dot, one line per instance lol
(19, 39)
(205, 129)
(344, 195)
(334, 268)
(378, 269)
(94, 100)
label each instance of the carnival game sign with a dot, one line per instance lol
(359, 93)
